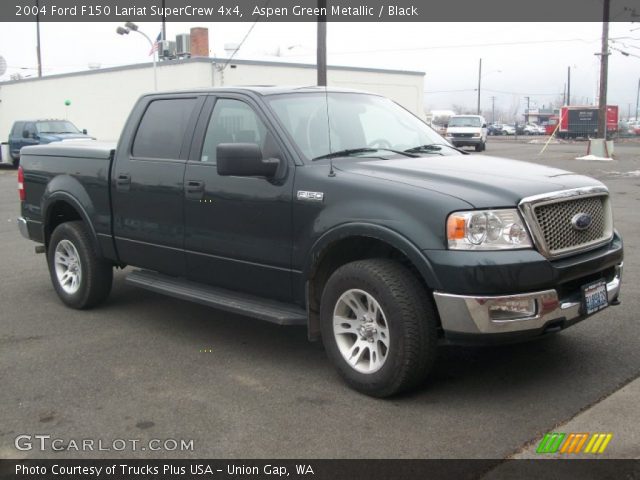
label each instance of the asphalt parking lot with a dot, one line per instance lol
(144, 366)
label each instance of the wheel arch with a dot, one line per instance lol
(60, 207)
(358, 241)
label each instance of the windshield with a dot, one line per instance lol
(464, 122)
(56, 126)
(357, 121)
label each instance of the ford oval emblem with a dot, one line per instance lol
(581, 221)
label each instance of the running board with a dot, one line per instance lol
(229, 301)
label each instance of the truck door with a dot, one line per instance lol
(147, 183)
(28, 136)
(238, 229)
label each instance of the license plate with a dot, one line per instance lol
(594, 297)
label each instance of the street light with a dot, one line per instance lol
(132, 27)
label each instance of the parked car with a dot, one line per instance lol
(494, 129)
(541, 129)
(508, 129)
(384, 242)
(35, 132)
(529, 129)
(467, 131)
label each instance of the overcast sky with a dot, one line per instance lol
(519, 59)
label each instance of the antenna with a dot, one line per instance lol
(332, 173)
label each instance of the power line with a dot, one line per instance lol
(439, 47)
(493, 91)
(233, 54)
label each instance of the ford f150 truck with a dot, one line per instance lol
(334, 209)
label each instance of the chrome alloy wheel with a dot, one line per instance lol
(68, 266)
(361, 331)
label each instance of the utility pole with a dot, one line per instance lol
(568, 86)
(38, 38)
(637, 98)
(526, 117)
(493, 109)
(321, 61)
(479, 79)
(164, 23)
(604, 65)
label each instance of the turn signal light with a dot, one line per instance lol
(455, 227)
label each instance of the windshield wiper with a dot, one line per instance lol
(355, 151)
(434, 148)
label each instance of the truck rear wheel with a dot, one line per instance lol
(379, 326)
(81, 279)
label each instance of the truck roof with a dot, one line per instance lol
(43, 120)
(264, 90)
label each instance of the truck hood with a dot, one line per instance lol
(57, 137)
(482, 181)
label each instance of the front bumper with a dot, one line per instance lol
(466, 316)
(465, 141)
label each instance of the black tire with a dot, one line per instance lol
(16, 160)
(410, 315)
(96, 274)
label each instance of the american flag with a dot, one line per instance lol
(156, 44)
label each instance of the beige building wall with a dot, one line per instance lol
(102, 99)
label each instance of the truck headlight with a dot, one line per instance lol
(487, 230)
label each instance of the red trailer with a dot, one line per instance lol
(582, 121)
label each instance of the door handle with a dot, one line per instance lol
(123, 182)
(194, 189)
(194, 186)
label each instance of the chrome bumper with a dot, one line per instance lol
(22, 226)
(470, 314)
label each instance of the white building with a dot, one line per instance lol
(100, 100)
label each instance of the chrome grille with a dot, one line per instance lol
(554, 221)
(550, 220)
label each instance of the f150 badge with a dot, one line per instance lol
(310, 196)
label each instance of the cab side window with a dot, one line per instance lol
(233, 121)
(30, 128)
(162, 128)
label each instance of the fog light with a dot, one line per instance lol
(512, 309)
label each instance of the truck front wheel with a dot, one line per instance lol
(379, 326)
(81, 279)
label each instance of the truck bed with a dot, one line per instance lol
(80, 169)
(73, 149)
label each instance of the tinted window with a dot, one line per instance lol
(30, 128)
(233, 121)
(17, 129)
(162, 128)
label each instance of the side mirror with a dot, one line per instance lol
(446, 125)
(244, 160)
(484, 125)
(84, 131)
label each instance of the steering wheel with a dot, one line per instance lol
(380, 142)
